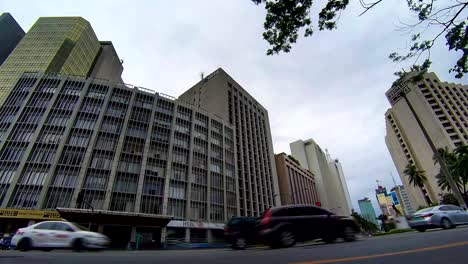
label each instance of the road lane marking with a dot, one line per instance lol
(325, 261)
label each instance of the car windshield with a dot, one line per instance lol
(425, 210)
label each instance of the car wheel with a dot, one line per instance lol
(24, 244)
(445, 223)
(421, 229)
(240, 243)
(348, 234)
(78, 245)
(287, 238)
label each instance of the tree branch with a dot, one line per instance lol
(367, 7)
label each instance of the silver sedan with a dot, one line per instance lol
(445, 216)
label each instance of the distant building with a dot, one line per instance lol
(329, 179)
(381, 195)
(11, 34)
(403, 199)
(367, 210)
(443, 110)
(296, 184)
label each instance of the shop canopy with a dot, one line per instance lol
(113, 217)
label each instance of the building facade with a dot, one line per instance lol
(296, 184)
(443, 110)
(65, 45)
(403, 199)
(328, 174)
(257, 183)
(367, 210)
(11, 33)
(124, 148)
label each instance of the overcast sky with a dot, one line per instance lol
(330, 87)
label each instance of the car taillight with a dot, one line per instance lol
(226, 230)
(267, 218)
(19, 232)
(427, 215)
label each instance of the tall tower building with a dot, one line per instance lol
(66, 45)
(367, 210)
(257, 181)
(329, 179)
(443, 110)
(11, 33)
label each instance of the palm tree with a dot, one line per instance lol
(417, 178)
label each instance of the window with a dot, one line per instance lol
(45, 226)
(62, 227)
(177, 190)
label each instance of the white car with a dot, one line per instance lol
(57, 234)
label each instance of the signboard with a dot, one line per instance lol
(382, 199)
(30, 214)
(395, 198)
(195, 224)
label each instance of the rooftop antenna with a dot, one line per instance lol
(378, 182)
(202, 75)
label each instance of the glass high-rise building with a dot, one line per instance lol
(367, 210)
(125, 148)
(66, 45)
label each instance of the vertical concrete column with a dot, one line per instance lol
(120, 143)
(187, 235)
(163, 237)
(133, 234)
(209, 236)
(169, 161)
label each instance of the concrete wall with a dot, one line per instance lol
(108, 65)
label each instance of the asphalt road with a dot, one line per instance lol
(437, 246)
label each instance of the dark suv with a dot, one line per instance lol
(240, 232)
(283, 226)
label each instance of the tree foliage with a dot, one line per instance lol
(457, 163)
(415, 177)
(366, 225)
(448, 198)
(286, 18)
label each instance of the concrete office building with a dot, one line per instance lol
(11, 33)
(257, 183)
(367, 210)
(329, 178)
(443, 110)
(296, 184)
(403, 198)
(136, 156)
(66, 45)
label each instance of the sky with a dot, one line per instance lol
(330, 87)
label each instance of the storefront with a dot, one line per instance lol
(13, 219)
(194, 232)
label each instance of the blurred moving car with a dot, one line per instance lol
(445, 216)
(240, 232)
(285, 225)
(5, 240)
(58, 234)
